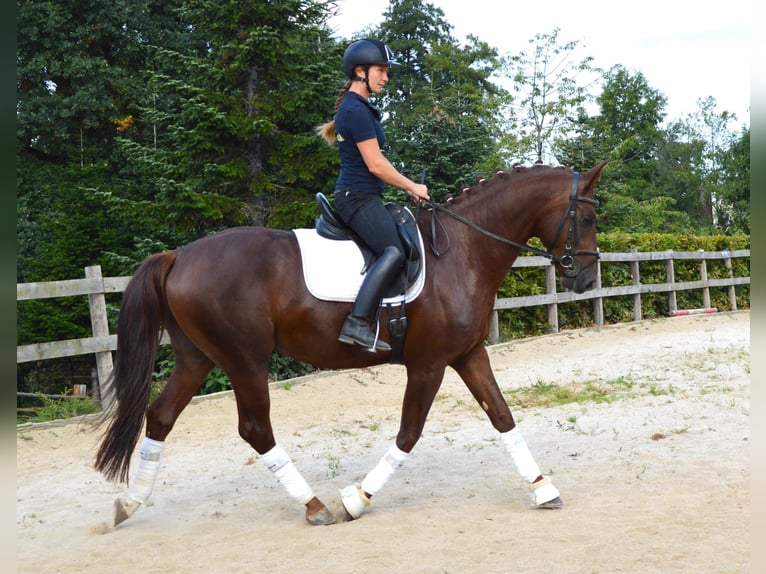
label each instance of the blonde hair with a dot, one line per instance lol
(327, 131)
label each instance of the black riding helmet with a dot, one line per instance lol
(367, 52)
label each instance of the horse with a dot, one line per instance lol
(234, 298)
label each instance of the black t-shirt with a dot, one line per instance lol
(356, 121)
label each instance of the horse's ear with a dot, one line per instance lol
(597, 171)
(594, 174)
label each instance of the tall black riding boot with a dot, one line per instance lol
(357, 329)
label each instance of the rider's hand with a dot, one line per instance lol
(419, 192)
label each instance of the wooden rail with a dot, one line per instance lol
(552, 298)
(102, 343)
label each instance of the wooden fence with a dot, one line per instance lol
(551, 299)
(102, 343)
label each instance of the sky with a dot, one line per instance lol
(688, 50)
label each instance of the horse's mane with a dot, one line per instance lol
(499, 177)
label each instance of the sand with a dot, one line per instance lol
(655, 480)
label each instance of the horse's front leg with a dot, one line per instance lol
(418, 398)
(476, 372)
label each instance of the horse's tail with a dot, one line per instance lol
(138, 334)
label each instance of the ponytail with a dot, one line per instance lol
(327, 131)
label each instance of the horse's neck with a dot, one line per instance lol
(515, 217)
(507, 212)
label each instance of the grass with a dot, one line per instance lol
(58, 408)
(335, 467)
(546, 394)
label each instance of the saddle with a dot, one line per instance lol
(330, 226)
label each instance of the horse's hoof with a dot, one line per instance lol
(322, 518)
(555, 503)
(343, 515)
(124, 509)
(354, 500)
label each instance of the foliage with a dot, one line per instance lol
(58, 408)
(441, 107)
(294, 215)
(734, 191)
(282, 367)
(550, 88)
(216, 381)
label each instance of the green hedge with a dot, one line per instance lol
(525, 281)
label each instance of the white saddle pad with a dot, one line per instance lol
(333, 269)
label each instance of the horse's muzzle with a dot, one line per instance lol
(579, 283)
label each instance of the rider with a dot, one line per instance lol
(364, 170)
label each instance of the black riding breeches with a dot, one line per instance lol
(365, 214)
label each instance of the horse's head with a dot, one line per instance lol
(571, 237)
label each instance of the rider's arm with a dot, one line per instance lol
(380, 167)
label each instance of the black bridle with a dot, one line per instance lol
(570, 266)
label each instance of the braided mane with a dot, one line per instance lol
(483, 183)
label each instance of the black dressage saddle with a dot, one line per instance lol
(330, 226)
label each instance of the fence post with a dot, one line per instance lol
(670, 275)
(100, 326)
(732, 291)
(550, 288)
(598, 302)
(635, 273)
(494, 325)
(703, 277)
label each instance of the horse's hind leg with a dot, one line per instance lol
(476, 372)
(190, 368)
(253, 405)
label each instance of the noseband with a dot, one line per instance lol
(570, 266)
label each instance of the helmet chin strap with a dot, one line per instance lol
(364, 79)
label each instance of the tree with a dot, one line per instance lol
(734, 189)
(144, 124)
(234, 108)
(77, 77)
(712, 127)
(635, 187)
(628, 130)
(440, 105)
(679, 171)
(551, 87)
(74, 62)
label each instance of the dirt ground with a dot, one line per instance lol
(656, 481)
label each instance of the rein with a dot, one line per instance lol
(568, 262)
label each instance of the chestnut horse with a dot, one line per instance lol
(234, 298)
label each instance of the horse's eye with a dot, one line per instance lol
(587, 221)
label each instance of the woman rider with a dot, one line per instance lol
(364, 170)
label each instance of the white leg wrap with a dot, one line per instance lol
(378, 476)
(354, 500)
(354, 496)
(542, 492)
(150, 457)
(520, 454)
(281, 466)
(539, 492)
